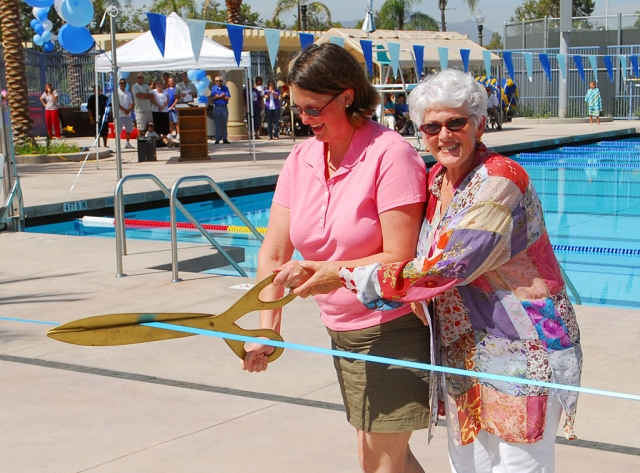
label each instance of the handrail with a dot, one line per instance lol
(570, 285)
(16, 190)
(174, 202)
(120, 228)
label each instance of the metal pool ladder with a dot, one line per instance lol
(174, 203)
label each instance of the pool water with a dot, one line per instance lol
(590, 196)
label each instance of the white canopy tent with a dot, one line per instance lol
(142, 53)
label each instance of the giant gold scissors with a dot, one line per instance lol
(125, 329)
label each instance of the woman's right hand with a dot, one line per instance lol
(255, 359)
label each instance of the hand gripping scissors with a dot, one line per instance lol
(125, 329)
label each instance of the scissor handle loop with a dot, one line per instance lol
(253, 295)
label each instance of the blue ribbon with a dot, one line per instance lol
(546, 65)
(418, 51)
(508, 61)
(579, 65)
(236, 38)
(367, 52)
(608, 62)
(464, 55)
(158, 28)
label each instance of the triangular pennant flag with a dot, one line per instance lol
(608, 62)
(443, 53)
(272, 37)
(464, 55)
(562, 64)
(546, 66)
(236, 38)
(418, 51)
(508, 62)
(634, 65)
(623, 66)
(528, 62)
(196, 32)
(339, 40)
(394, 57)
(579, 65)
(158, 28)
(593, 60)
(306, 39)
(367, 52)
(487, 62)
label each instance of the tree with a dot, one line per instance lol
(185, 8)
(15, 71)
(397, 15)
(496, 42)
(233, 11)
(537, 9)
(315, 8)
(442, 5)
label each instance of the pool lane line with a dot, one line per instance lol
(596, 249)
(298, 401)
(393, 361)
(375, 359)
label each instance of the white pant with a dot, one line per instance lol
(390, 121)
(490, 454)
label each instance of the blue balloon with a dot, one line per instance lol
(124, 75)
(37, 40)
(48, 47)
(46, 36)
(34, 22)
(39, 3)
(74, 39)
(77, 12)
(192, 75)
(200, 86)
(41, 13)
(203, 99)
(200, 74)
(39, 29)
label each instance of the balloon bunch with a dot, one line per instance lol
(42, 27)
(202, 82)
(74, 35)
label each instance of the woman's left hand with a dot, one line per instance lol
(324, 279)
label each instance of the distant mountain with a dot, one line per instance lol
(470, 28)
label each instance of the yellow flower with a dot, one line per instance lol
(69, 129)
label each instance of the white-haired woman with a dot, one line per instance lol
(485, 260)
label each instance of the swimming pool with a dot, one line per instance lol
(590, 195)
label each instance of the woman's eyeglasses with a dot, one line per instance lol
(433, 128)
(312, 112)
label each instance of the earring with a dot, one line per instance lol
(427, 149)
(479, 139)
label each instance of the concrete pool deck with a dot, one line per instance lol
(184, 405)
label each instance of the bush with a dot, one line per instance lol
(50, 147)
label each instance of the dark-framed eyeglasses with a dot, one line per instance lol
(433, 128)
(140, 77)
(313, 112)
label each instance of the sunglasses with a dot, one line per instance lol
(433, 128)
(313, 112)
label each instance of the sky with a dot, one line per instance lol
(496, 12)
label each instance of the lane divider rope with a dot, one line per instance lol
(107, 222)
(371, 358)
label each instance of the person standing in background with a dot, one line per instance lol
(142, 96)
(594, 102)
(220, 96)
(99, 114)
(49, 99)
(257, 97)
(173, 95)
(126, 106)
(160, 109)
(186, 90)
(272, 110)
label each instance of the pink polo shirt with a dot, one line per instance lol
(338, 219)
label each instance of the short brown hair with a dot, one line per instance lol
(329, 69)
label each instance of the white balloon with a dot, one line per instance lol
(48, 25)
(54, 38)
(58, 6)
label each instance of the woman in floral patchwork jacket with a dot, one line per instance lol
(485, 260)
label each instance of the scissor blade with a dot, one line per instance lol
(122, 329)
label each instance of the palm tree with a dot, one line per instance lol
(443, 6)
(186, 8)
(15, 71)
(233, 11)
(396, 15)
(288, 5)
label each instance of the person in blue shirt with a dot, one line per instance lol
(220, 97)
(173, 100)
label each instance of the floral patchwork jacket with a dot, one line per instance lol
(500, 301)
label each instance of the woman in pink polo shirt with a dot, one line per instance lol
(354, 193)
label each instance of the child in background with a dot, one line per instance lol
(160, 140)
(594, 102)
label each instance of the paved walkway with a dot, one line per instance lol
(184, 405)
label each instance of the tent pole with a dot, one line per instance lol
(95, 82)
(249, 96)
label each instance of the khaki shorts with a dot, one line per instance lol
(380, 397)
